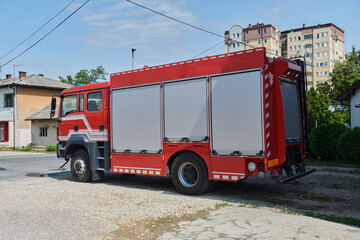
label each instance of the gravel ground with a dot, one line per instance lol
(48, 208)
(140, 207)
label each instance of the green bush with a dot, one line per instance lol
(323, 140)
(27, 148)
(348, 146)
(50, 148)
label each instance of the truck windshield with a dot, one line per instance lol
(68, 105)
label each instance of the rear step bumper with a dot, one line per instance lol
(296, 176)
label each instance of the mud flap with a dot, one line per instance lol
(294, 163)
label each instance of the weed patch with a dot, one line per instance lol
(313, 197)
(333, 218)
(223, 204)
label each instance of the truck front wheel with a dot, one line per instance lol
(189, 174)
(80, 166)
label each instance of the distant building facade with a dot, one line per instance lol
(254, 36)
(19, 98)
(321, 45)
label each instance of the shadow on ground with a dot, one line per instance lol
(331, 191)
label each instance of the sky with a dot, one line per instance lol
(103, 32)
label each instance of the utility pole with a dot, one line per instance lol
(132, 53)
(15, 67)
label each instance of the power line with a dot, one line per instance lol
(36, 30)
(207, 49)
(193, 26)
(46, 34)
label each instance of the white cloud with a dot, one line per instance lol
(124, 25)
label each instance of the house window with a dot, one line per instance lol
(317, 55)
(325, 73)
(8, 100)
(325, 63)
(259, 41)
(4, 131)
(322, 44)
(299, 38)
(233, 45)
(290, 48)
(317, 35)
(238, 44)
(43, 132)
(258, 31)
(299, 47)
(265, 40)
(308, 46)
(321, 64)
(309, 36)
(238, 35)
(290, 39)
(233, 35)
(317, 64)
(323, 34)
(94, 101)
(317, 45)
(264, 30)
(317, 73)
(294, 48)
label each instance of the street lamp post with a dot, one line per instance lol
(132, 53)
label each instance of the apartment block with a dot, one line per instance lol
(254, 36)
(321, 45)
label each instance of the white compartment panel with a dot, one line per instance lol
(237, 113)
(136, 119)
(185, 109)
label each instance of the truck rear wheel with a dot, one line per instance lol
(80, 166)
(189, 174)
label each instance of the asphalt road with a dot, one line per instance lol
(15, 165)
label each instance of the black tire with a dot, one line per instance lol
(189, 174)
(80, 166)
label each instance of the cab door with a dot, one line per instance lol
(91, 119)
(68, 117)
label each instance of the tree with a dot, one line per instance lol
(318, 108)
(86, 76)
(342, 77)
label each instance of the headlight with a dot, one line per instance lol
(251, 166)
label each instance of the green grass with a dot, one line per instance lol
(333, 218)
(223, 204)
(317, 162)
(313, 197)
(288, 211)
(248, 205)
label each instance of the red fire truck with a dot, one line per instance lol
(216, 118)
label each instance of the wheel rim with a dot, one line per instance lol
(188, 174)
(79, 166)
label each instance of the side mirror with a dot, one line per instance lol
(53, 107)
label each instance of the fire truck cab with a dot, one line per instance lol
(217, 118)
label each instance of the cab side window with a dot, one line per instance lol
(94, 101)
(81, 102)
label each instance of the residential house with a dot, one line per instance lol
(43, 127)
(353, 94)
(20, 97)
